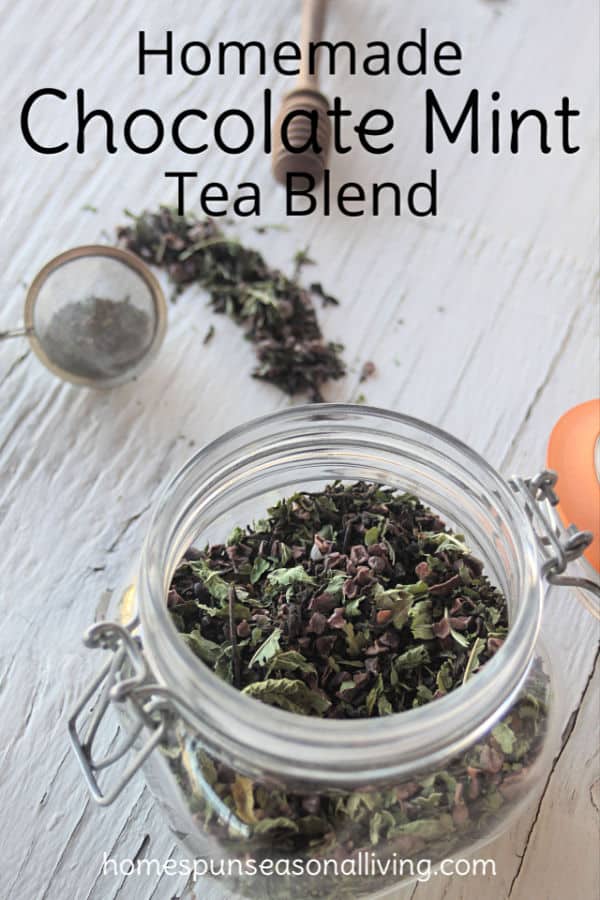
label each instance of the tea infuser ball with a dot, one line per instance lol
(95, 316)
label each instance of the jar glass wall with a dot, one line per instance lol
(339, 800)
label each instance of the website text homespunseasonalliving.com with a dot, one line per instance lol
(364, 864)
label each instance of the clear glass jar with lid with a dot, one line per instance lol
(278, 804)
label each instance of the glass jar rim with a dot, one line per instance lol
(328, 751)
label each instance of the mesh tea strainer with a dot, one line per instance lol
(94, 315)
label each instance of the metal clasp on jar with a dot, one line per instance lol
(124, 680)
(559, 546)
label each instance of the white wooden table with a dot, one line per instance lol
(482, 321)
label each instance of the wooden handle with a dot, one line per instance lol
(313, 22)
(307, 98)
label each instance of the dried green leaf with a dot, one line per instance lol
(216, 586)
(207, 651)
(240, 611)
(289, 694)
(398, 600)
(236, 537)
(505, 737)
(459, 638)
(384, 707)
(473, 660)
(374, 695)
(417, 589)
(281, 823)
(259, 567)
(420, 617)
(423, 695)
(429, 829)
(445, 677)
(412, 658)
(352, 607)
(381, 822)
(446, 542)
(283, 578)
(267, 649)
(290, 661)
(372, 535)
(336, 583)
(353, 642)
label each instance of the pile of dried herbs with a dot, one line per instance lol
(351, 602)
(277, 314)
(347, 603)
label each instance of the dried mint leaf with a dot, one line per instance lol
(277, 314)
(287, 693)
(360, 592)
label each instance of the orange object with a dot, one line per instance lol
(574, 454)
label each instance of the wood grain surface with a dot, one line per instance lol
(483, 321)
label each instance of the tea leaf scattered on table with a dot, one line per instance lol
(277, 314)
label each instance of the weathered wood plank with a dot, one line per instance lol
(497, 338)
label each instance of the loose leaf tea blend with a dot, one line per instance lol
(98, 337)
(347, 603)
(277, 314)
(351, 602)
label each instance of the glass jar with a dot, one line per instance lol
(324, 804)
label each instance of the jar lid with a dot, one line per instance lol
(574, 454)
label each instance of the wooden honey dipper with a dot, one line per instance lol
(307, 97)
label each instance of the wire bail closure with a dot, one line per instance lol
(559, 550)
(146, 702)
